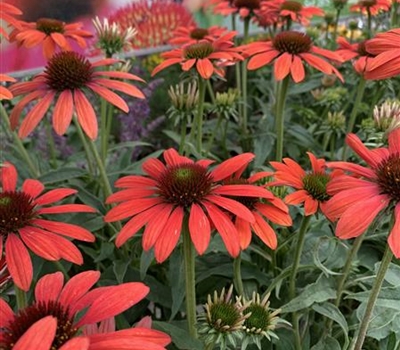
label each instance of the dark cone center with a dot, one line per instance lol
(68, 70)
(185, 184)
(292, 42)
(388, 174)
(25, 318)
(198, 33)
(49, 25)
(198, 50)
(16, 211)
(293, 6)
(249, 4)
(315, 185)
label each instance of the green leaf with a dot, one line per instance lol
(177, 281)
(62, 174)
(119, 268)
(327, 343)
(130, 144)
(317, 292)
(146, 258)
(180, 337)
(106, 250)
(392, 274)
(389, 297)
(331, 311)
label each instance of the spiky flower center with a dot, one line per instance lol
(293, 6)
(388, 177)
(248, 202)
(28, 316)
(49, 25)
(16, 211)
(367, 3)
(315, 185)
(185, 184)
(224, 316)
(258, 320)
(68, 70)
(292, 42)
(362, 49)
(198, 50)
(249, 4)
(198, 33)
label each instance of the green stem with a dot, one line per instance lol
(279, 118)
(362, 331)
(354, 111)
(345, 274)
(52, 146)
(211, 91)
(393, 18)
(292, 281)
(190, 282)
(237, 273)
(103, 130)
(199, 116)
(103, 175)
(18, 143)
(85, 147)
(369, 25)
(183, 137)
(20, 296)
(336, 26)
(214, 132)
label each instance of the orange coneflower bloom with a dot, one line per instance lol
(244, 8)
(310, 186)
(154, 20)
(63, 311)
(7, 13)
(272, 209)
(387, 62)
(192, 34)
(372, 6)
(22, 225)
(290, 50)
(5, 94)
(182, 189)
(356, 51)
(358, 200)
(290, 10)
(51, 33)
(67, 78)
(207, 56)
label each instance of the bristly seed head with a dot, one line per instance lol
(199, 50)
(249, 4)
(198, 33)
(68, 70)
(292, 42)
(315, 185)
(185, 184)
(16, 211)
(49, 25)
(388, 177)
(293, 6)
(25, 318)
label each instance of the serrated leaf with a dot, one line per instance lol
(318, 292)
